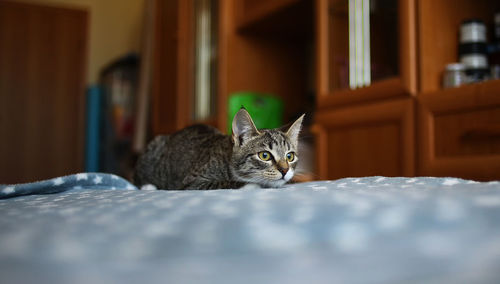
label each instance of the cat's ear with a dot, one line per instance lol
(294, 130)
(243, 127)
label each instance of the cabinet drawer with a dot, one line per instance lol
(459, 135)
(467, 133)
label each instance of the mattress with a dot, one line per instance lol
(98, 228)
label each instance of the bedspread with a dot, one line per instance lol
(354, 230)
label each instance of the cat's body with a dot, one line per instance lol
(201, 157)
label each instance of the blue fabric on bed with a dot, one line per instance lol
(354, 230)
(65, 183)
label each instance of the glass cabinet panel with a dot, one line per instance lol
(363, 42)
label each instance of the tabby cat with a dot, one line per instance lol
(201, 157)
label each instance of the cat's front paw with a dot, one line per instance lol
(251, 186)
(149, 187)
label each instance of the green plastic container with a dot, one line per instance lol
(266, 110)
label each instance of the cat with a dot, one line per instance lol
(201, 157)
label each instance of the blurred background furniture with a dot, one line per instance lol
(43, 60)
(401, 123)
(387, 115)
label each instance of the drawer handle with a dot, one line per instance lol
(482, 133)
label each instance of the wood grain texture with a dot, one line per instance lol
(384, 89)
(43, 53)
(269, 67)
(322, 57)
(226, 24)
(474, 95)
(165, 82)
(260, 63)
(374, 139)
(468, 132)
(173, 66)
(321, 150)
(408, 45)
(459, 132)
(248, 12)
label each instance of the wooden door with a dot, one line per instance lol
(366, 140)
(42, 86)
(393, 52)
(365, 127)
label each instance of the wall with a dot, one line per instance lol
(115, 29)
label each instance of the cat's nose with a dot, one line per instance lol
(283, 168)
(283, 171)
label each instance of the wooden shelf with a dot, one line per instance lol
(282, 18)
(404, 82)
(477, 95)
(384, 89)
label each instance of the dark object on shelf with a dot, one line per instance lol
(477, 74)
(472, 49)
(495, 72)
(472, 30)
(494, 49)
(454, 75)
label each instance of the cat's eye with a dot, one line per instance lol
(264, 155)
(290, 157)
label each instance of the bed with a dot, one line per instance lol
(99, 228)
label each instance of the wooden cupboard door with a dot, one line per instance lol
(367, 140)
(389, 67)
(42, 88)
(459, 132)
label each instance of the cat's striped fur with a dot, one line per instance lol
(201, 157)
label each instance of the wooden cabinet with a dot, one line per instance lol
(459, 128)
(400, 124)
(459, 132)
(368, 130)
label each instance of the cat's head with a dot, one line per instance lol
(267, 157)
